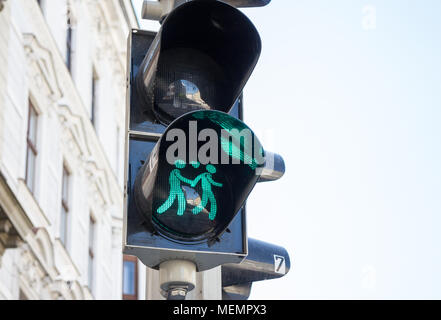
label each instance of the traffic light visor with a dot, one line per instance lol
(201, 59)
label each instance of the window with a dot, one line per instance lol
(94, 98)
(64, 207)
(31, 148)
(130, 278)
(91, 262)
(69, 43)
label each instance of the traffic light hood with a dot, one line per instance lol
(201, 59)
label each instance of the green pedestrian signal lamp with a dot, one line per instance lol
(198, 177)
(190, 160)
(177, 192)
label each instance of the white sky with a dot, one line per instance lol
(349, 93)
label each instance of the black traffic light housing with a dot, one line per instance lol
(166, 81)
(201, 58)
(141, 138)
(264, 261)
(192, 70)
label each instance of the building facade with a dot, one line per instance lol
(62, 122)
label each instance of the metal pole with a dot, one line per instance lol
(177, 278)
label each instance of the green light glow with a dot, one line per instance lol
(207, 194)
(175, 179)
(235, 147)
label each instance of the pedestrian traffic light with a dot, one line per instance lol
(198, 176)
(190, 162)
(185, 192)
(202, 66)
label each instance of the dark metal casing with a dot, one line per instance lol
(201, 58)
(141, 137)
(265, 261)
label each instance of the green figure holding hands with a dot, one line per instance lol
(175, 179)
(207, 194)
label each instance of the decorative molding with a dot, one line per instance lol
(40, 55)
(9, 237)
(15, 223)
(31, 206)
(45, 251)
(98, 176)
(77, 291)
(30, 270)
(68, 270)
(33, 273)
(74, 124)
(108, 32)
(60, 290)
